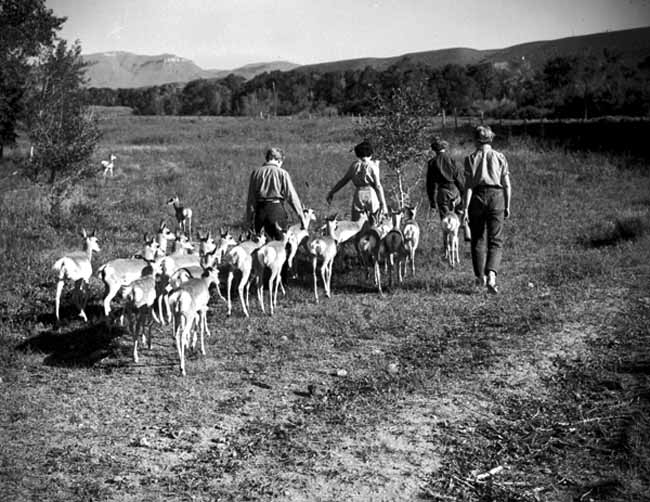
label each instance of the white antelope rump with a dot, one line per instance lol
(411, 231)
(370, 249)
(107, 165)
(270, 257)
(450, 224)
(183, 215)
(189, 304)
(77, 267)
(139, 309)
(324, 249)
(238, 259)
(394, 249)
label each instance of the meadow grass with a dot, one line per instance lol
(441, 381)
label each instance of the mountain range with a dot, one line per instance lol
(127, 70)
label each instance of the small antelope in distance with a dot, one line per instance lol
(324, 249)
(107, 165)
(183, 215)
(411, 231)
(450, 224)
(271, 256)
(77, 267)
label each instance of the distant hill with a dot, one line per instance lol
(125, 70)
(633, 45)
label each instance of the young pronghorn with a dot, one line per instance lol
(189, 304)
(239, 259)
(107, 165)
(122, 271)
(370, 249)
(450, 224)
(139, 309)
(77, 267)
(271, 256)
(411, 231)
(298, 233)
(324, 249)
(183, 215)
(212, 253)
(394, 249)
(164, 236)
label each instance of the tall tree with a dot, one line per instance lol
(398, 127)
(61, 128)
(26, 27)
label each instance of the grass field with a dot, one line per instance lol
(414, 396)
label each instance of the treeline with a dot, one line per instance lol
(580, 86)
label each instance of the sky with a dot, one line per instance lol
(226, 34)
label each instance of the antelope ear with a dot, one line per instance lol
(146, 236)
(83, 233)
(94, 232)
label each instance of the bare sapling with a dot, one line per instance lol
(76, 266)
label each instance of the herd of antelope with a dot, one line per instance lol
(170, 280)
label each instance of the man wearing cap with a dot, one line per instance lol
(486, 205)
(364, 174)
(445, 180)
(268, 188)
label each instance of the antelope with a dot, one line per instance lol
(189, 303)
(164, 236)
(183, 215)
(411, 231)
(298, 233)
(239, 259)
(324, 248)
(217, 249)
(450, 224)
(346, 229)
(107, 165)
(271, 256)
(77, 267)
(122, 271)
(370, 249)
(394, 249)
(139, 309)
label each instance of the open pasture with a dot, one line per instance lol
(436, 391)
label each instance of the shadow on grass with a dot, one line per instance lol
(81, 347)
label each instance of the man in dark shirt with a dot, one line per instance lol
(268, 188)
(445, 181)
